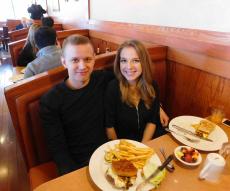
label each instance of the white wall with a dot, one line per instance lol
(213, 15)
(14, 9)
(72, 13)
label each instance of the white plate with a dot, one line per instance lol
(98, 166)
(217, 135)
(199, 159)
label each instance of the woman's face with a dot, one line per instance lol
(130, 65)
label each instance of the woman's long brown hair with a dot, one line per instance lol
(144, 84)
(30, 37)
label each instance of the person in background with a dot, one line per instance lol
(36, 11)
(18, 27)
(22, 24)
(47, 21)
(132, 100)
(72, 112)
(48, 56)
(28, 53)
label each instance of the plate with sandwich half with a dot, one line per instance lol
(123, 164)
(207, 136)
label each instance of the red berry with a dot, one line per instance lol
(188, 158)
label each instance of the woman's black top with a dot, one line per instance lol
(129, 122)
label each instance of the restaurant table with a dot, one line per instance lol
(18, 70)
(17, 74)
(182, 179)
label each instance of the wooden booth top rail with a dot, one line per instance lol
(22, 33)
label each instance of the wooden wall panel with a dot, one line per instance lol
(210, 43)
(61, 35)
(114, 38)
(101, 45)
(203, 62)
(159, 74)
(191, 91)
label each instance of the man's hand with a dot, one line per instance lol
(164, 118)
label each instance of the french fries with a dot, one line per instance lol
(126, 150)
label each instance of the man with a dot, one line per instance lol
(47, 22)
(72, 112)
(48, 56)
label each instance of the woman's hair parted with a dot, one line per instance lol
(144, 84)
(75, 40)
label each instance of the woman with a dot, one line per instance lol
(36, 11)
(131, 100)
(28, 53)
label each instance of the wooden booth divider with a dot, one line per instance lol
(16, 47)
(22, 33)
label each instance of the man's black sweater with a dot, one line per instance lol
(73, 121)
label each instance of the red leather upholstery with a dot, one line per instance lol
(37, 133)
(41, 174)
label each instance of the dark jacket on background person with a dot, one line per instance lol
(26, 55)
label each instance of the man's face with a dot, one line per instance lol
(79, 61)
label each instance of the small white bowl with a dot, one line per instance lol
(199, 159)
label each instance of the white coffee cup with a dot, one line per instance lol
(214, 165)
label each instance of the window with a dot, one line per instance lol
(14, 9)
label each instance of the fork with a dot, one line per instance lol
(159, 168)
(185, 137)
(170, 167)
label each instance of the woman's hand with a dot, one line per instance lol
(111, 133)
(148, 133)
(164, 118)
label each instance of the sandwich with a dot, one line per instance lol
(121, 174)
(204, 128)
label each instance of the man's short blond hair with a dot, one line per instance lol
(75, 40)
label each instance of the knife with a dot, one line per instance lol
(159, 168)
(191, 133)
